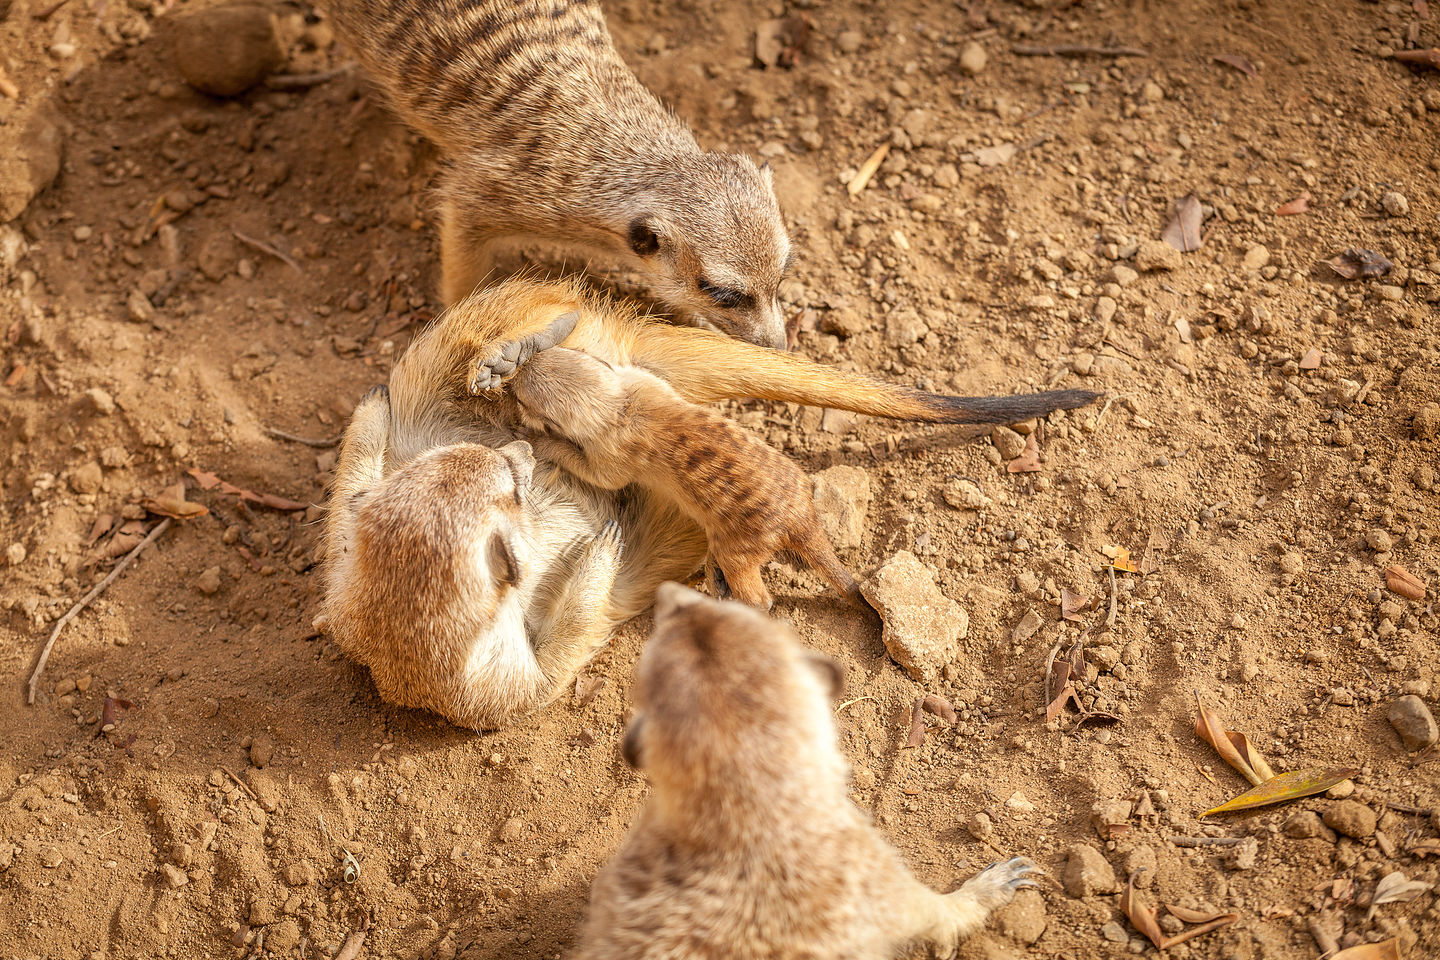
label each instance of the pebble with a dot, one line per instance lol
(1292, 563)
(87, 479)
(226, 50)
(282, 937)
(175, 878)
(1341, 790)
(1114, 932)
(511, 829)
(1379, 540)
(51, 857)
(1105, 308)
(1023, 919)
(209, 581)
(965, 495)
(842, 501)
(262, 748)
(849, 41)
(1088, 873)
(922, 627)
(15, 554)
(1413, 720)
(1427, 421)
(1123, 275)
(1352, 818)
(1394, 203)
(103, 403)
(138, 306)
(1256, 257)
(1028, 626)
(1141, 864)
(1008, 442)
(1307, 825)
(24, 173)
(1153, 255)
(973, 58)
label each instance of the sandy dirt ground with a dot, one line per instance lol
(203, 270)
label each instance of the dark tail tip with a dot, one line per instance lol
(1012, 409)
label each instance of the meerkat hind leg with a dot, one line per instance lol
(954, 916)
(580, 619)
(501, 361)
(361, 461)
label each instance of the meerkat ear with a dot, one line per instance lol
(644, 241)
(831, 673)
(503, 567)
(767, 173)
(630, 746)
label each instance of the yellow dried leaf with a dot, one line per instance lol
(1122, 561)
(1242, 746)
(1286, 786)
(1209, 728)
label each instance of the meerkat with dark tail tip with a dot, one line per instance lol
(749, 847)
(548, 134)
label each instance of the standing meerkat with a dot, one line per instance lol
(748, 846)
(614, 426)
(548, 134)
(430, 474)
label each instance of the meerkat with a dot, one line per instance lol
(429, 474)
(548, 134)
(614, 426)
(748, 845)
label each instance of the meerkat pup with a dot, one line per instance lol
(612, 426)
(748, 846)
(548, 134)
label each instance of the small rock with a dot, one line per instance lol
(1107, 814)
(1414, 722)
(1114, 932)
(15, 554)
(1379, 540)
(1140, 863)
(1023, 919)
(850, 41)
(1256, 257)
(1352, 818)
(1427, 421)
(1307, 825)
(103, 403)
(973, 59)
(51, 857)
(843, 322)
(980, 825)
(842, 501)
(175, 878)
(1292, 563)
(138, 306)
(1394, 203)
(1028, 584)
(262, 748)
(1019, 803)
(1242, 855)
(209, 581)
(1088, 873)
(282, 937)
(1028, 626)
(1341, 790)
(87, 479)
(1008, 442)
(182, 855)
(922, 627)
(1123, 275)
(965, 495)
(1153, 255)
(1105, 308)
(511, 830)
(30, 160)
(226, 50)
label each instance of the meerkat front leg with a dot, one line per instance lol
(361, 461)
(467, 255)
(947, 919)
(489, 369)
(580, 620)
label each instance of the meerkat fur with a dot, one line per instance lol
(748, 845)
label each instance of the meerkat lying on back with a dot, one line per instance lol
(548, 134)
(614, 426)
(748, 846)
(475, 582)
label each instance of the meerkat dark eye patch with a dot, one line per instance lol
(502, 562)
(725, 296)
(643, 240)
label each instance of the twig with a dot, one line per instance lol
(350, 949)
(1407, 808)
(1208, 841)
(264, 247)
(849, 702)
(1114, 604)
(46, 13)
(1075, 50)
(70, 614)
(322, 443)
(240, 783)
(303, 81)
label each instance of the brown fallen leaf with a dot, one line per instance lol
(1029, 459)
(940, 707)
(1402, 581)
(917, 724)
(1193, 916)
(1183, 231)
(1146, 919)
(16, 375)
(779, 42)
(1299, 205)
(113, 710)
(1236, 61)
(1286, 786)
(102, 526)
(208, 481)
(1421, 58)
(1122, 561)
(1357, 263)
(1395, 887)
(1065, 691)
(1071, 604)
(1384, 950)
(1311, 359)
(1154, 546)
(1209, 728)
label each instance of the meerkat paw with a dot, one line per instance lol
(491, 370)
(995, 886)
(609, 542)
(380, 391)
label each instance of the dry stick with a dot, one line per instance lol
(350, 949)
(70, 614)
(1208, 841)
(322, 443)
(264, 247)
(240, 783)
(302, 81)
(1114, 606)
(1075, 50)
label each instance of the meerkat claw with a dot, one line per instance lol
(995, 886)
(503, 362)
(379, 390)
(612, 533)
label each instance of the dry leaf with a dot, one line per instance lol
(1210, 729)
(1421, 58)
(1061, 676)
(940, 707)
(1029, 459)
(1183, 232)
(1193, 916)
(917, 723)
(1250, 755)
(1236, 61)
(1395, 887)
(1121, 560)
(1299, 205)
(1145, 919)
(102, 526)
(1154, 546)
(1357, 263)
(1402, 581)
(1071, 604)
(209, 481)
(1311, 359)
(867, 169)
(1286, 786)
(1384, 950)
(780, 42)
(996, 155)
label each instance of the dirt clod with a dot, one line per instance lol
(1088, 873)
(922, 626)
(1351, 818)
(1414, 722)
(226, 50)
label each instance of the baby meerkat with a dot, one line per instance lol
(612, 426)
(548, 134)
(748, 846)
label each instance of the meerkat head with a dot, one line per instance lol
(724, 694)
(713, 231)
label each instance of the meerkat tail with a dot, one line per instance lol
(704, 366)
(820, 556)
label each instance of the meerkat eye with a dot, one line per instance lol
(725, 296)
(643, 240)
